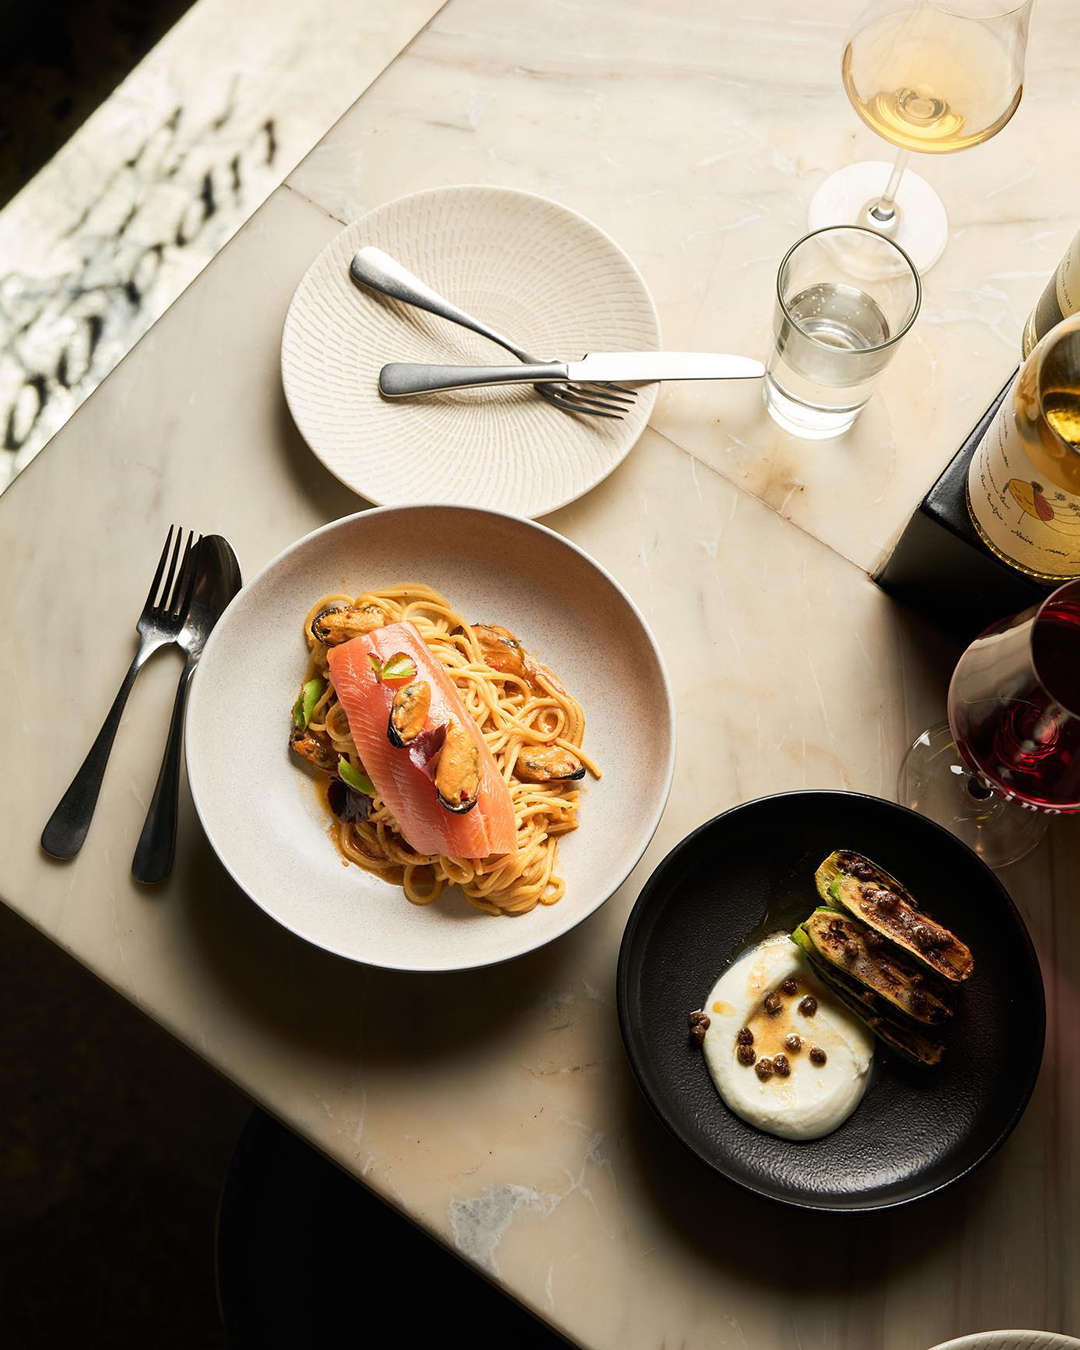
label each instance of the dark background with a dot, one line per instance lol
(58, 60)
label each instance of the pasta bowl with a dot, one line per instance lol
(274, 838)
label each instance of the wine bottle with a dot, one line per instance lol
(1023, 483)
(1060, 298)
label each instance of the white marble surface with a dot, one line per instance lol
(99, 243)
(696, 135)
(527, 1148)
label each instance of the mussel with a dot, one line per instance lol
(502, 651)
(408, 713)
(339, 622)
(547, 764)
(314, 747)
(457, 777)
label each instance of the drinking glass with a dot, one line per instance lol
(1009, 756)
(845, 296)
(928, 75)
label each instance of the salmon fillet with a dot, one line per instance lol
(490, 827)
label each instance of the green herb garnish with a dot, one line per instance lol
(353, 778)
(310, 693)
(397, 667)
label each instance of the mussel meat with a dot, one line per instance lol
(502, 651)
(314, 747)
(457, 778)
(408, 713)
(337, 623)
(547, 764)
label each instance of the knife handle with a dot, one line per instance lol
(400, 379)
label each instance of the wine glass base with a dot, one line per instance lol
(935, 781)
(919, 225)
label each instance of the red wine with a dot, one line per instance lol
(1014, 707)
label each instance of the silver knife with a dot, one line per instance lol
(401, 378)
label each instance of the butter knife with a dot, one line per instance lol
(400, 379)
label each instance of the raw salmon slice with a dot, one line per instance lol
(490, 827)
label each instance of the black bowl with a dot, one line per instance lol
(750, 871)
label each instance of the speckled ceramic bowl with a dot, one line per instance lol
(1012, 1340)
(272, 836)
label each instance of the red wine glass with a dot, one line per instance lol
(1009, 756)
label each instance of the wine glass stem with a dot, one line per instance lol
(884, 209)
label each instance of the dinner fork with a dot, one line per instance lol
(375, 269)
(159, 625)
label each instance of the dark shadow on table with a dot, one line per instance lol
(311, 1001)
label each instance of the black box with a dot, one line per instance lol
(941, 567)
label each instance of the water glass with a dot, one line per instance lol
(845, 296)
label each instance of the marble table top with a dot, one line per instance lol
(506, 1121)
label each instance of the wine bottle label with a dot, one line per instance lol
(1062, 294)
(1025, 519)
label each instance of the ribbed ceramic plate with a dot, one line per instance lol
(260, 810)
(1012, 1340)
(535, 270)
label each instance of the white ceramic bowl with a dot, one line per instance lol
(545, 276)
(259, 808)
(1012, 1340)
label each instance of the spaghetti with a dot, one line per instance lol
(514, 709)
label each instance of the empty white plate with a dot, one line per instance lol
(260, 809)
(542, 274)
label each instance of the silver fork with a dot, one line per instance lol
(159, 624)
(375, 269)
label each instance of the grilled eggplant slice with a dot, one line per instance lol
(908, 1041)
(867, 958)
(849, 881)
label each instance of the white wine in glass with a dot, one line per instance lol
(933, 76)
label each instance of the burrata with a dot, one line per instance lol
(805, 1060)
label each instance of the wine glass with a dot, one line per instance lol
(927, 75)
(1009, 756)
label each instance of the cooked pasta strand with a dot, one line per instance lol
(510, 711)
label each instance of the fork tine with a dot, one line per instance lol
(160, 569)
(613, 391)
(185, 582)
(576, 391)
(166, 589)
(593, 410)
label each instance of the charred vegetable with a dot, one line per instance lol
(547, 764)
(408, 713)
(457, 778)
(310, 693)
(868, 959)
(339, 622)
(904, 1037)
(852, 882)
(314, 747)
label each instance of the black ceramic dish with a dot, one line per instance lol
(749, 872)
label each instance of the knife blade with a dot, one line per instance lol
(400, 379)
(644, 367)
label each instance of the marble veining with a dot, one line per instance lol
(496, 1107)
(146, 192)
